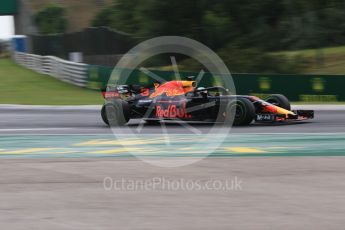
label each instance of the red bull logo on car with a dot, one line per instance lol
(172, 111)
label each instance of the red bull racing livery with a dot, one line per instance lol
(182, 100)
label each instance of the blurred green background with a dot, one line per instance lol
(251, 36)
(261, 37)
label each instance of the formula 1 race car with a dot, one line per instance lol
(182, 100)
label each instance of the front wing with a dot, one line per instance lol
(300, 115)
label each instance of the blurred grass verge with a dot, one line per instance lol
(327, 60)
(19, 85)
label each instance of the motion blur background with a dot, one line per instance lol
(264, 38)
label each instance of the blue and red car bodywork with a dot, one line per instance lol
(181, 100)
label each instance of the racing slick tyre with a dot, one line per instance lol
(115, 113)
(279, 100)
(240, 111)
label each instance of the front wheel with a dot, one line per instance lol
(115, 113)
(279, 100)
(240, 112)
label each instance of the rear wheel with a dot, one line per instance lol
(240, 112)
(115, 113)
(279, 100)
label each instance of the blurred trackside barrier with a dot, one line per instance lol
(304, 88)
(90, 41)
(67, 71)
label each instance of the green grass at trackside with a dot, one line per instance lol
(312, 52)
(19, 85)
(328, 60)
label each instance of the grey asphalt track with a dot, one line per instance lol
(274, 193)
(68, 193)
(88, 121)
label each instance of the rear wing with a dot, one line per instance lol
(117, 91)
